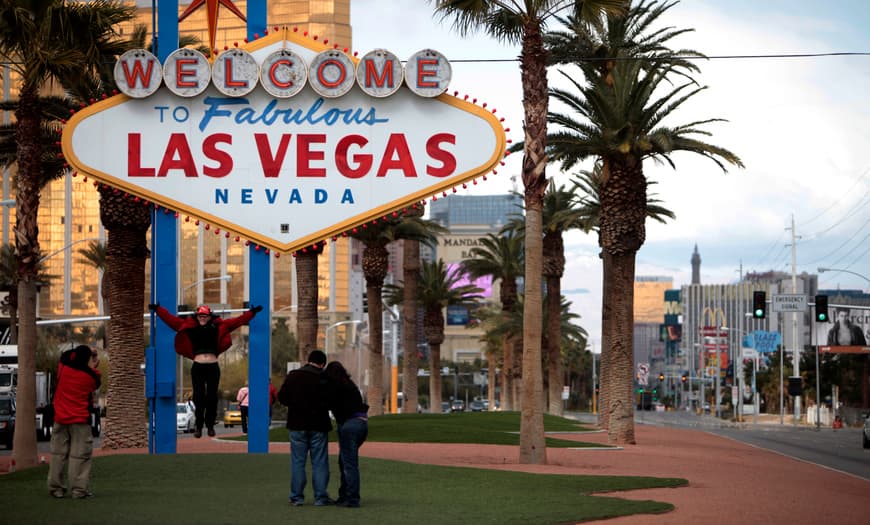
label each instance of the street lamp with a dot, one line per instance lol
(358, 351)
(823, 270)
(184, 290)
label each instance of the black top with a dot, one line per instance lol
(345, 401)
(204, 338)
(304, 394)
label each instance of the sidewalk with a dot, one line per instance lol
(729, 482)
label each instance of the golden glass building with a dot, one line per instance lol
(69, 209)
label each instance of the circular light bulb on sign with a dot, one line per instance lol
(428, 73)
(235, 73)
(138, 73)
(380, 73)
(331, 74)
(186, 72)
(283, 73)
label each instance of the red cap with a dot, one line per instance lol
(203, 310)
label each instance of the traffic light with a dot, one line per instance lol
(365, 303)
(683, 378)
(661, 377)
(759, 305)
(821, 308)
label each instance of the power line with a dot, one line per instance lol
(836, 202)
(682, 57)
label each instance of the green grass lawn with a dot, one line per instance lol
(253, 488)
(241, 488)
(485, 428)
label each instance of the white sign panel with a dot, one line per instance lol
(284, 172)
(789, 303)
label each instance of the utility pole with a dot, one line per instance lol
(796, 357)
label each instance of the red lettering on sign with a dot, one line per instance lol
(447, 159)
(397, 156)
(342, 73)
(182, 72)
(179, 147)
(274, 79)
(229, 81)
(363, 161)
(424, 71)
(134, 157)
(304, 155)
(144, 76)
(379, 80)
(271, 163)
(211, 151)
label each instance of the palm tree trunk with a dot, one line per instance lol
(27, 247)
(411, 278)
(507, 374)
(435, 378)
(621, 362)
(306, 316)
(554, 348)
(491, 377)
(125, 262)
(606, 328)
(533, 446)
(375, 393)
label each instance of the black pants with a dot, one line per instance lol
(244, 410)
(205, 378)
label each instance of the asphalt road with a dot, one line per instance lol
(840, 449)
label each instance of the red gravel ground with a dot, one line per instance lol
(729, 482)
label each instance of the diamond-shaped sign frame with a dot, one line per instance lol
(284, 173)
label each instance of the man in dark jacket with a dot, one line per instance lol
(71, 440)
(304, 393)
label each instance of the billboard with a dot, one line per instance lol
(846, 333)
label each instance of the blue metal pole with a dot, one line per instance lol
(259, 352)
(160, 368)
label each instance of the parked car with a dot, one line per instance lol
(184, 417)
(232, 415)
(7, 419)
(445, 407)
(867, 431)
(476, 406)
(458, 405)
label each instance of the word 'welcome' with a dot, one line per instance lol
(283, 73)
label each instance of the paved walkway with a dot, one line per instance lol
(729, 482)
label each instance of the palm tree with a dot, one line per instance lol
(375, 263)
(94, 255)
(38, 43)
(438, 289)
(307, 321)
(410, 281)
(524, 23)
(560, 214)
(620, 123)
(501, 258)
(587, 185)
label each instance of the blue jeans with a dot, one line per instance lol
(303, 443)
(351, 435)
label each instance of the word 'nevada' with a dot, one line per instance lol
(283, 73)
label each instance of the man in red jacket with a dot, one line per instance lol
(71, 440)
(203, 338)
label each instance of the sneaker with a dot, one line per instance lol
(211, 432)
(296, 502)
(86, 495)
(349, 504)
(59, 494)
(324, 502)
(197, 433)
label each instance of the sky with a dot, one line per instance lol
(801, 126)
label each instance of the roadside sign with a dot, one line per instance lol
(565, 391)
(790, 303)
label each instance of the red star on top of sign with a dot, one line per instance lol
(213, 7)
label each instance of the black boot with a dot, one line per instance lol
(211, 432)
(198, 432)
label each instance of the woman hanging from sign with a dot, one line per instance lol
(203, 338)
